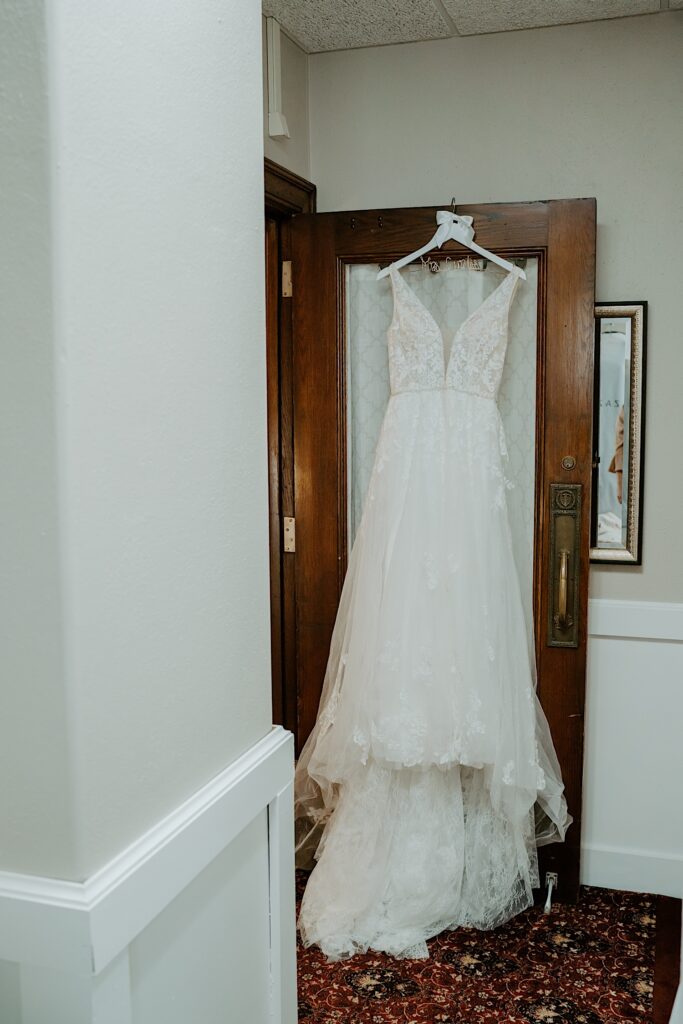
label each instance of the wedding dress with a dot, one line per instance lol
(430, 776)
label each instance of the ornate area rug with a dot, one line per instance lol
(592, 963)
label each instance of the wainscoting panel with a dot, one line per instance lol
(633, 825)
(182, 916)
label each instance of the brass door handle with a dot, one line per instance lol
(562, 597)
(563, 565)
(561, 619)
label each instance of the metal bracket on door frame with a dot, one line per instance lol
(289, 534)
(286, 279)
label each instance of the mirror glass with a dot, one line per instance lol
(612, 493)
(618, 432)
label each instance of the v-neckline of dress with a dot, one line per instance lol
(458, 330)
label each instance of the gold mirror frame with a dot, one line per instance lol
(629, 552)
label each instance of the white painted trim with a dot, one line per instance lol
(82, 927)
(111, 999)
(283, 1000)
(641, 620)
(633, 870)
(677, 1011)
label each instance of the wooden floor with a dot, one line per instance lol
(667, 957)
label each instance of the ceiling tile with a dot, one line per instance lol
(472, 17)
(319, 25)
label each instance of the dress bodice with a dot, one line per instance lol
(417, 351)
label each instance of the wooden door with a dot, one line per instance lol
(559, 235)
(285, 194)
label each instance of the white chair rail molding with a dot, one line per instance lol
(121, 947)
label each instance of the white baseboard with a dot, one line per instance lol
(632, 870)
(83, 929)
(677, 1011)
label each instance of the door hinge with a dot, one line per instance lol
(289, 534)
(286, 279)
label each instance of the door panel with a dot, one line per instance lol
(330, 254)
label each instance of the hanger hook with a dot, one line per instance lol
(453, 205)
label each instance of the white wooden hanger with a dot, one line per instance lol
(460, 229)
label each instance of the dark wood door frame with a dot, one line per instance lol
(667, 957)
(285, 195)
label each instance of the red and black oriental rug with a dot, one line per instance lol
(590, 963)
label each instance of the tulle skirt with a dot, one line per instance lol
(430, 776)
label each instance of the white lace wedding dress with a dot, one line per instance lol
(430, 776)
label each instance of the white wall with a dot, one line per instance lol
(294, 152)
(146, 856)
(35, 790)
(632, 824)
(10, 992)
(135, 365)
(187, 965)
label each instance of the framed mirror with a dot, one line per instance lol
(618, 432)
